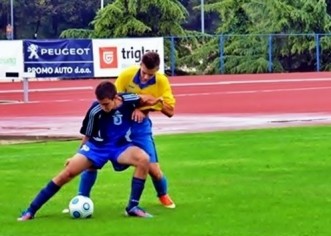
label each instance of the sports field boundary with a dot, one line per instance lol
(67, 128)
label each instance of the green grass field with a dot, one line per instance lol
(272, 182)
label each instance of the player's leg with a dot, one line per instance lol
(138, 158)
(89, 176)
(99, 155)
(87, 181)
(74, 166)
(160, 183)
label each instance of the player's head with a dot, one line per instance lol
(150, 64)
(106, 93)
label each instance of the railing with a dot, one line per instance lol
(262, 53)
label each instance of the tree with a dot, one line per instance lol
(233, 20)
(47, 18)
(245, 43)
(193, 22)
(5, 17)
(297, 17)
(137, 18)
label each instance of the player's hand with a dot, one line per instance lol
(138, 116)
(149, 100)
(160, 100)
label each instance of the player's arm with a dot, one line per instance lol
(84, 129)
(167, 105)
(140, 100)
(149, 100)
(167, 109)
(135, 101)
(145, 100)
(166, 101)
(88, 124)
(84, 140)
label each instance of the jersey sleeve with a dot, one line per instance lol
(165, 92)
(89, 122)
(131, 98)
(167, 95)
(121, 82)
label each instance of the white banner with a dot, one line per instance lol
(11, 56)
(111, 56)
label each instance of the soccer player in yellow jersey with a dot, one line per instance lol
(146, 79)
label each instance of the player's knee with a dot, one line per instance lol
(65, 176)
(155, 171)
(156, 175)
(142, 160)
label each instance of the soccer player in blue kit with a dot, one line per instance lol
(144, 80)
(106, 124)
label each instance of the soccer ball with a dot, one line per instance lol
(81, 207)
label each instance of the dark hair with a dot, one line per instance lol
(151, 60)
(105, 89)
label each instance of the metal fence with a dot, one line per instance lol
(262, 53)
(223, 54)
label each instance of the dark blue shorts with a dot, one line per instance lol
(100, 154)
(146, 143)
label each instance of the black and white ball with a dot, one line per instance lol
(81, 207)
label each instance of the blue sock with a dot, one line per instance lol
(87, 180)
(43, 196)
(161, 186)
(137, 187)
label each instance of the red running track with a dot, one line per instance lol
(221, 94)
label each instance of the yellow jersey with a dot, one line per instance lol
(129, 81)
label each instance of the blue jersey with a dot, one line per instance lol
(110, 127)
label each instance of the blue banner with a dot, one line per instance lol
(59, 58)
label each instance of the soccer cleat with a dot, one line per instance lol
(138, 212)
(25, 216)
(166, 201)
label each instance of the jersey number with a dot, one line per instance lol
(117, 119)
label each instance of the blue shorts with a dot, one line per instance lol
(146, 143)
(100, 154)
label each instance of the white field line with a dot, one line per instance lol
(183, 84)
(14, 102)
(192, 94)
(180, 84)
(48, 89)
(253, 91)
(184, 94)
(270, 81)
